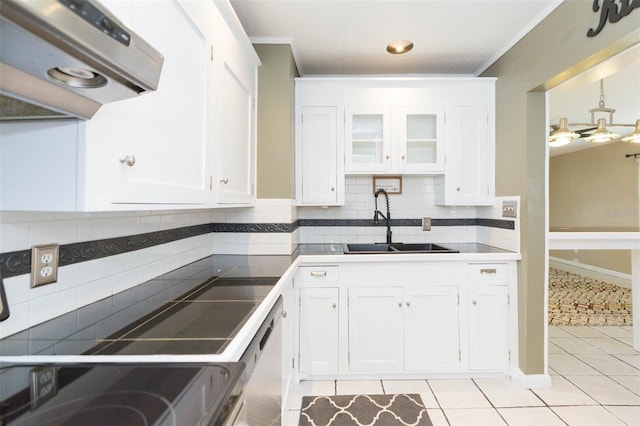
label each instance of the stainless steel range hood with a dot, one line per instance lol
(65, 58)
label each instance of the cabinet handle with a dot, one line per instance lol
(474, 302)
(333, 305)
(488, 271)
(457, 188)
(408, 304)
(225, 180)
(128, 159)
(318, 273)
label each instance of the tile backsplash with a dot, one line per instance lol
(85, 282)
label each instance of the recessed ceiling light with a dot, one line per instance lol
(399, 47)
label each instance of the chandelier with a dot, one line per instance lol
(562, 135)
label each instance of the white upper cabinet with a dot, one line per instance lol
(367, 139)
(430, 126)
(469, 178)
(165, 149)
(319, 183)
(159, 141)
(419, 139)
(394, 140)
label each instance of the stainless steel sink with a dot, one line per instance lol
(396, 248)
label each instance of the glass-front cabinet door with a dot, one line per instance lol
(418, 136)
(367, 139)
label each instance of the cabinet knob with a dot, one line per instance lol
(408, 304)
(457, 188)
(284, 314)
(128, 159)
(333, 305)
(399, 304)
(404, 156)
(386, 156)
(474, 302)
(333, 188)
(225, 180)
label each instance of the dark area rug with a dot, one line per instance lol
(364, 410)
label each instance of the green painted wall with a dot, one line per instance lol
(556, 50)
(275, 162)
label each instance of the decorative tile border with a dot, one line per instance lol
(19, 262)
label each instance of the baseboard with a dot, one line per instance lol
(594, 272)
(532, 381)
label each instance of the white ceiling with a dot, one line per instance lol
(350, 36)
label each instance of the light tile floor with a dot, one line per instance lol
(594, 370)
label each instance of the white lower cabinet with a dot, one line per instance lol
(319, 330)
(395, 328)
(451, 318)
(489, 327)
(431, 330)
(375, 329)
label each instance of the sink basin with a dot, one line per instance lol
(396, 248)
(368, 248)
(422, 248)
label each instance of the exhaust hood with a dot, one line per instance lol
(65, 58)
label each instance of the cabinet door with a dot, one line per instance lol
(418, 135)
(431, 328)
(488, 327)
(470, 162)
(367, 139)
(237, 136)
(319, 156)
(159, 141)
(319, 331)
(375, 329)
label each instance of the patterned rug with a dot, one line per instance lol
(364, 410)
(578, 300)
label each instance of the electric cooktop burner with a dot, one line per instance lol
(118, 394)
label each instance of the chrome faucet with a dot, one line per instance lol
(377, 213)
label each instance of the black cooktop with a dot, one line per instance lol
(196, 309)
(119, 394)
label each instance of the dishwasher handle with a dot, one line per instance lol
(266, 335)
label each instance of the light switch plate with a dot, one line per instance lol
(44, 264)
(426, 224)
(509, 208)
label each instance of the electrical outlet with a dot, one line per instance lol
(43, 385)
(44, 264)
(509, 208)
(426, 224)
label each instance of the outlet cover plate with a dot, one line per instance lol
(43, 385)
(509, 208)
(44, 264)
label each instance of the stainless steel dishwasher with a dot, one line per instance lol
(262, 398)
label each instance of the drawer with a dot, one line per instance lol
(487, 271)
(318, 274)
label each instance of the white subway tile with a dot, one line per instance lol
(53, 305)
(18, 319)
(94, 291)
(14, 236)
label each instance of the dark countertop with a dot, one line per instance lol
(195, 309)
(337, 249)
